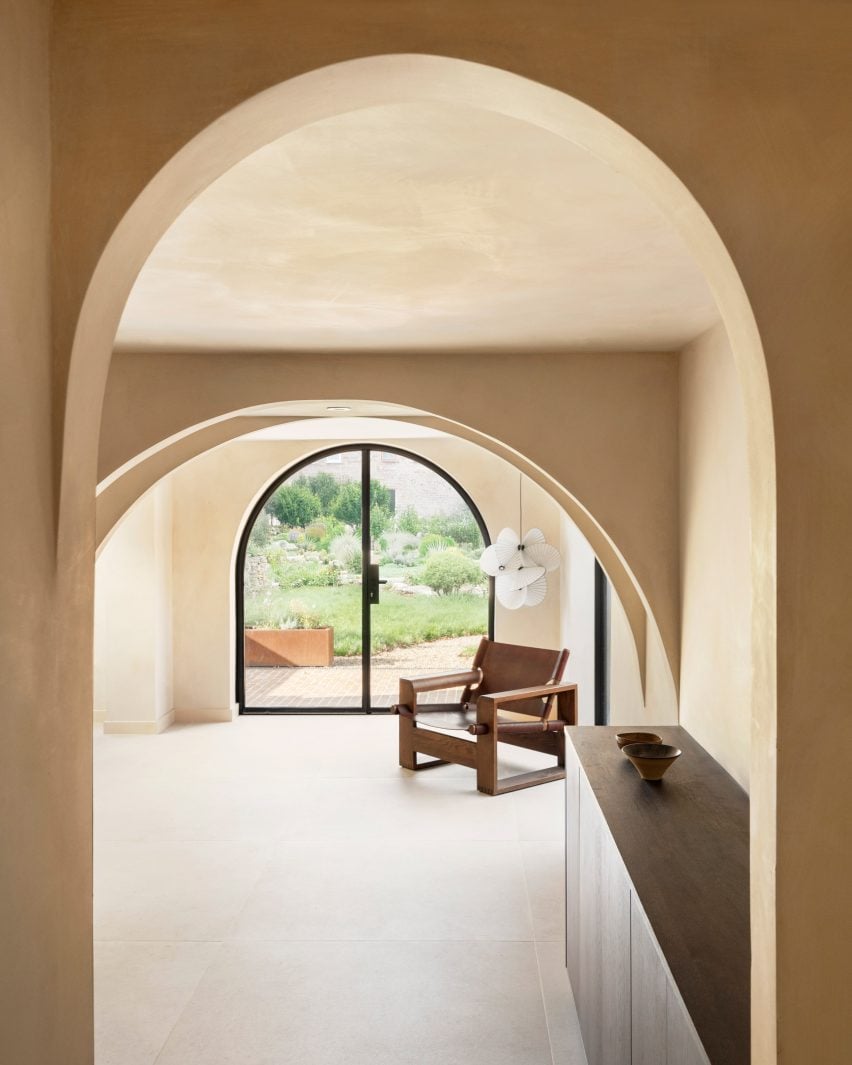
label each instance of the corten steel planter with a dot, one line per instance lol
(289, 647)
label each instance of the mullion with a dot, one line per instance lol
(366, 628)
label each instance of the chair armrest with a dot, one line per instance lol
(411, 687)
(487, 705)
(518, 694)
(437, 681)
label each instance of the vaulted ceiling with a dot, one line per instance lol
(419, 227)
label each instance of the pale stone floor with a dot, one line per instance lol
(277, 891)
(339, 685)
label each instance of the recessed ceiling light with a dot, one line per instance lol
(338, 409)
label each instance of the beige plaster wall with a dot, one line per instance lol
(627, 705)
(45, 755)
(716, 579)
(133, 619)
(577, 596)
(749, 106)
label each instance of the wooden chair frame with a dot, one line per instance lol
(537, 734)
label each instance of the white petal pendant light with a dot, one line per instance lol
(511, 598)
(537, 552)
(503, 555)
(519, 567)
(536, 592)
(514, 588)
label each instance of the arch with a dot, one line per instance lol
(364, 82)
(118, 494)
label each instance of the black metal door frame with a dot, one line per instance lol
(602, 646)
(366, 450)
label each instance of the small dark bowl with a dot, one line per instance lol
(623, 738)
(651, 759)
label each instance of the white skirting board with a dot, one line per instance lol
(145, 728)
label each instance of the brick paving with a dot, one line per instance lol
(339, 685)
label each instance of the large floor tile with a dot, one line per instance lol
(416, 806)
(389, 890)
(563, 1025)
(365, 1004)
(140, 991)
(172, 891)
(541, 811)
(150, 806)
(544, 866)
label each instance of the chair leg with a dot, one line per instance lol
(407, 754)
(486, 763)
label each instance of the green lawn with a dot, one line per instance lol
(398, 620)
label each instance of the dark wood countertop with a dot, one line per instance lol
(685, 843)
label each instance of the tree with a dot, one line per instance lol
(324, 486)
(382, 497)
(379, 520)
(346, 506)
(294, 505)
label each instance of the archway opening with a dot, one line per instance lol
(736, 337)
(316, 631)
(163, 564)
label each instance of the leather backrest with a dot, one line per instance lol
(506, 666)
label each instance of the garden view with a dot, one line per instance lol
(303, 572)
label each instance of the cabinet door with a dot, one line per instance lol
(572, 864)
(682, 1044)
(649, 985)
(603, 987)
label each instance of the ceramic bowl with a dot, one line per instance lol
(622, 738)
(651, 759)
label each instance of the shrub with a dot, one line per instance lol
(298, 573)
(409, 521)
(401, 549)
(260, 535)
(461, 528)
(301, 616)
(316, 532)
(333, 529)
(449, 571)
(434, 542)
(346, 551)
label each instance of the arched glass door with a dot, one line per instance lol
(359, 566)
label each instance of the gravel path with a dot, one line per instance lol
(340, 684)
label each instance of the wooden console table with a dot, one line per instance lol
(658, 937)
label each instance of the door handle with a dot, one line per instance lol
(373, 582)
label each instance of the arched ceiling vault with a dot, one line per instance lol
(419, 226)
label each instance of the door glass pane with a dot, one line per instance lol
(302, 591)
(433, 610)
